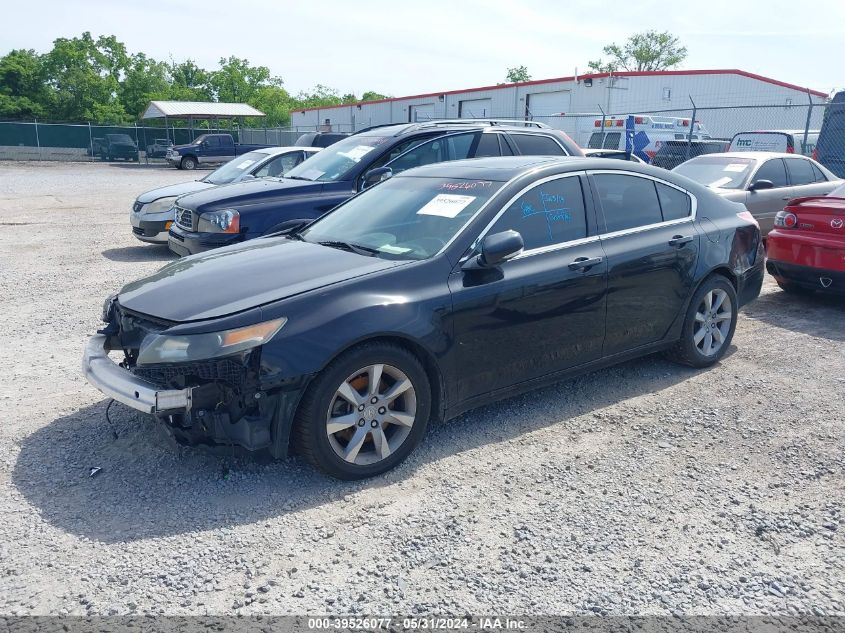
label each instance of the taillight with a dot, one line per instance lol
(815, 154)
(746, 215)
(790, 149)
(786, 220)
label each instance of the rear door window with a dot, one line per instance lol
(818, 176)
(674, 203)
(488, 145)
(772, 170)
(437, 150)
(627, 201)
(550, 213)
(800, 171)
(537, 145)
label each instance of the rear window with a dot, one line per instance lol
(674, 203)
(722, 172)
(536, 145)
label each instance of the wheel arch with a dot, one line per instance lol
(423, 354)
(722, 270)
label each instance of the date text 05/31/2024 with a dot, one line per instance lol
(417, 624)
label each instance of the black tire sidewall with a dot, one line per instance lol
(693, 356)
(324, 389)
(189, 164)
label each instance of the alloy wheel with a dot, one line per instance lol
(713, 320)
(371, 414)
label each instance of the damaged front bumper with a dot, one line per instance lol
(121, 385)
(211, 412)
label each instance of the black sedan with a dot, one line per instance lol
(438, 290)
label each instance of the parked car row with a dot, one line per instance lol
(153, 211)
(408, 273)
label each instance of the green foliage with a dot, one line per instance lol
(645, 51)
(98, 80)
(517, 75)
(22, 89)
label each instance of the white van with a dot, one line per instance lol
(784, 141)
(643, 135)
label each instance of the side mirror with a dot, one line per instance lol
(759, 185)
(496, 249)
(204, 144)
(375, 176)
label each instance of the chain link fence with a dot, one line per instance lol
(52, 141)
(85, 141)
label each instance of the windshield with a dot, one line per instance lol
(227, 173)
(336, 161)
(404, 217)
(722, 172)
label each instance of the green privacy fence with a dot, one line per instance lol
(62, 141)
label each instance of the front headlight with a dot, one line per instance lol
(225, 221)
(160, 348)
(160, 205)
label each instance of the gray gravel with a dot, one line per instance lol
(642, 489)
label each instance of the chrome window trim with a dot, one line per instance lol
(647, 227)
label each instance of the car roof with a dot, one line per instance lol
(754, 155)
(504, 168)
(452, 125)
(273, 151)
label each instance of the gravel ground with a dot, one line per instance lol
(642, 489)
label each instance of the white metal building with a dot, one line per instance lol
(572, 103)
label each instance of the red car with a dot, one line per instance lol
(806, 249)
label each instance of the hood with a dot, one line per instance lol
(173, 190)
(186, 146)
(239, 277)
(248, 192)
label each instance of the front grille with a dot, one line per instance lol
(184, 218)
(137, 230)
(225, 370)
(137, 206)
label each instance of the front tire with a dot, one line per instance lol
(364, 413)
(709, 324)
(189, 163)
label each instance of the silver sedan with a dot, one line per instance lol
(763, 181)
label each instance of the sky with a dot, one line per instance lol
(402, 48)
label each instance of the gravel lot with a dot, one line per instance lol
(642, 489)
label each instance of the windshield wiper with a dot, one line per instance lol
(298, 178)
(353, 248)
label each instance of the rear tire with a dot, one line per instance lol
(709, 324)
(189, 163)
(364, 413)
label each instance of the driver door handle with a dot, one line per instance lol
(680, 240)
(584, 263)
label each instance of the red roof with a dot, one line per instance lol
(537, 82)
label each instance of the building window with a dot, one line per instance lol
(667, 94)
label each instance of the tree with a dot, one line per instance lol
(188, 82)
(145, 80)
(372, 95)
(22, 89)
(518, 74)
(84, 75)
(645, 51)
(237, 81)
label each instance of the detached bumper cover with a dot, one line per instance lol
(121, 385)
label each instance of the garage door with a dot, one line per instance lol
(547, 103)
(475, 108)
(421, 112)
